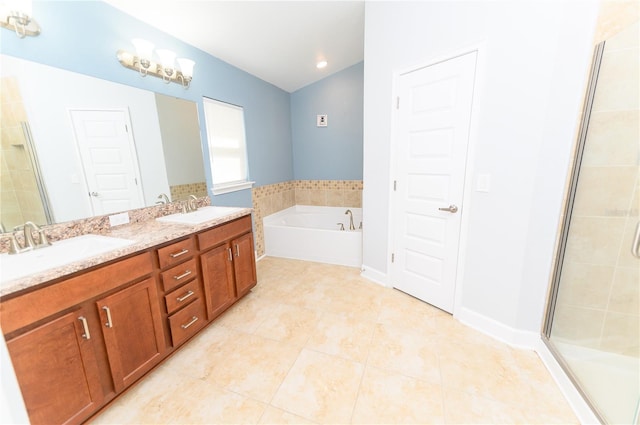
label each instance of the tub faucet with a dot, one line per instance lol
(351, 226)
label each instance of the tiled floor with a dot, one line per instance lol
(316, 343)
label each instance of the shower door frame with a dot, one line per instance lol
(566, 221)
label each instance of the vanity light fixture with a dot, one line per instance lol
(16, 15)
(165, 68)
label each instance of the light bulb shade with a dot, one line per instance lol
(144, 48)
(167, 58)
(186, 67)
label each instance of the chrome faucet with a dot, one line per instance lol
(164, 199)
(351, 226)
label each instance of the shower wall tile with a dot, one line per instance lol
(596, 196)
(621, 334)
(578, 325)
(595, 240)
(625, 294)
(613, 139)
(585, 285)
(618, 82)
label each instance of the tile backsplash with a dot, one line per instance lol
(276, 197)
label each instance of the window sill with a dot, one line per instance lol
(231, 187)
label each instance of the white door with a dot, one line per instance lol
(109, 159)
(434, 112)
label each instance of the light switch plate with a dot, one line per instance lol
(118, 219)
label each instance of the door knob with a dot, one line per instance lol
(451, 208)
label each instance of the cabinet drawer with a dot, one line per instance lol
(179, 274)
(174, 253)
(182, 296)
(187, 321)
(219, 234)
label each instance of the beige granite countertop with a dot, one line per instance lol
(144, 235)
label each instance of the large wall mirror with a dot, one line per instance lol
(75, 146)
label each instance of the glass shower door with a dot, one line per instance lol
(594, 318)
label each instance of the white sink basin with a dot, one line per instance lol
(58, 254)
(200, 216)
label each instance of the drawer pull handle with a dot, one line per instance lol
(85, 327)
(183, 275)
(230, 254)
(193, 320)
(237, 250)
(109, 323)
(185, 296)
(177, 254)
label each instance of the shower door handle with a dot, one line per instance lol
(635, 246)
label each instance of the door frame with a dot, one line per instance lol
(480, 49)
(132, 149)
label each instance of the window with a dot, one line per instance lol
(227, 146)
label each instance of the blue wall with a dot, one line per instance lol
(84, 36)
(333, 152)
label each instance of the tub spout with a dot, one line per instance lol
(351, 226)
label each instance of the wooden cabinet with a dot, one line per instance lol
(229, 269)
(78, 342)
(217, 272)
(244, 264)
(57, 370)
(67, 361)
(132, 329)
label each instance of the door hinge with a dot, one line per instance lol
(395, 185)
(126, 128)
(393, 257)
(397, 102)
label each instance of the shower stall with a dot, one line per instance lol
(593, 317)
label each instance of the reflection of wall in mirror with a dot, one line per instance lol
(182, 147)
(48, 94)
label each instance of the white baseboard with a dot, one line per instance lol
(374, 275)
(260, 258)
(515, 337)
(571, 394)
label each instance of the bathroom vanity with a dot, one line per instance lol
(79, 339)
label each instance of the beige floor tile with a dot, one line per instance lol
(252, 366)
(404, 351)
(247, 314)
(390, 398)
(273, 415)
(422, 365)
(320, 387)
(343, 335)
(289, 324)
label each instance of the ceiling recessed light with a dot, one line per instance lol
(321, 64)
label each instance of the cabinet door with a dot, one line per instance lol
(244, 263)
(57, 370)
(132, 329)
(217, 275)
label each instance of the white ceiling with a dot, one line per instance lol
(277, 41)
